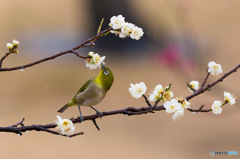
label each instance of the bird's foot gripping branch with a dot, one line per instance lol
(94, 90)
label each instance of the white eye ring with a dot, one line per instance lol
(106, 72)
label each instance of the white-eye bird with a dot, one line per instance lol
(92, 92)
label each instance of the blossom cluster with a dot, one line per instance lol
(124, 29)
(214, 69)
(178, 105)
(159, 93)
(94, 60)
(65, 126)
(13, 46)
(175, 106)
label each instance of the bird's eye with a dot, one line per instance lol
(106, 72)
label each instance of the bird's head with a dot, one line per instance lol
(105, 77)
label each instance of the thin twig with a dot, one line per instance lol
(147, 101)
(76, 134)
(1, 61)
(95, 123)
(199, 110)
(100, 26)
(40, 128)
(93, 38)
(205, 80)
(19, 123)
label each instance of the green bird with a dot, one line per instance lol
(92, 92)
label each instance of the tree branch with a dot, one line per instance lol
(45, 128)
(127, 111)
(203, 89)
(87, 43)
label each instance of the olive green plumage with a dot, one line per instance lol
(93, 91)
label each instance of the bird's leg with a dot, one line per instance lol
(98, 112)
(81, 117)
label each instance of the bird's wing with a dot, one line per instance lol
(85, 86)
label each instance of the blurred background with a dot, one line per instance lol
(180, 38)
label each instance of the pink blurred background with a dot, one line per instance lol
(181, 37)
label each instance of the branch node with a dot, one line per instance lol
(39, 128)
(201, 108)
(125, 112)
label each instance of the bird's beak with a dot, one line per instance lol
(103, 67)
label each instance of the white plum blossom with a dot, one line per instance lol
(115, 32)
(178, 114)
(91, 54)
(229, 98)
(214, 69)
(119, 33)
(97, 58)
(185, 104)
(194, 85)
(159, 88)
(15, 42)
(9, 46)
(122, 35)
(136, 33)
(216, 107)
(65, 126)
(117, 21)
(167, 95)
(94, 61)
(172, 106)
(138, 89)
(127, 28)
(156, 94)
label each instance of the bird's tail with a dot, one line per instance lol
(63, 108)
